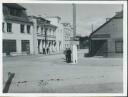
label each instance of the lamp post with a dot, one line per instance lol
(74, 48)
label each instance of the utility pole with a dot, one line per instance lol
(45, 37)
(74, 48)
(92, 27)
(74, 21)
(122, 7)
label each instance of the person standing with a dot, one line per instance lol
(44, 50)
(69, 55)
(66, 55)
(47, 50)
(70, 52)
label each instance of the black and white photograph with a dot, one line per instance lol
(63, 47)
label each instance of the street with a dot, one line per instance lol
(51, 74)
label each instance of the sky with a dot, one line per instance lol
(86, 14)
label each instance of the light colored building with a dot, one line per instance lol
(67, 35)
(44, 35)
(24, 34)
(64, 33)
(17, 30)
(107, 40)
(56, 20)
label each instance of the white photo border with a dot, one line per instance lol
(69, 94)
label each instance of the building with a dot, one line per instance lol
(24, 34)
(83, 42)
(44, 35)
(67, 34)
(17, 30)
(56, 20)
(107, 40)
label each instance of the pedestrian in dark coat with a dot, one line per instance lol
(69, 55)
(47, 50)
(44, 52)
(65, 53)
(70, 52)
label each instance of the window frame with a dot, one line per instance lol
(9, 27)
(117, 49)
(25, 45)
(3, 27)
(28, 29)
(22, 28)
(9, 45)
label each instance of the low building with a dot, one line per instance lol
(17, 30)
(83, 42)
(107, 40)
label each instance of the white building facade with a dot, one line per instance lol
(17, 30)
(24, 34)
(44, 35)
(56, 20)
(67, 35)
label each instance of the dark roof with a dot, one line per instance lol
(15, 18)
(42, 21)
(39, 18)
(14, 5)
(118, 15)
(21, 16)
(53, 17)
(50, 25)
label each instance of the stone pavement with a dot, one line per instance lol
(51, 74)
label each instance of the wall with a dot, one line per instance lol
(116, 32)
(18, 36)
(59, 32)
(115, 29)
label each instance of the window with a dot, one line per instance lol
(119, 46)
(15, 12)
(3, 24)
(50, 31)
(25, 45)
(28, 29)
(42, 30)
(45, 31)
(22, 28)
(9, 27)
(9, 46)
(37, 28)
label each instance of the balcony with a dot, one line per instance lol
(40, 34)
(51, 36)
(43, 35)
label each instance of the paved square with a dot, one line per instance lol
(51, 74)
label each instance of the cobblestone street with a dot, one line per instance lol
(51, 74)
